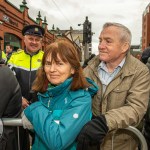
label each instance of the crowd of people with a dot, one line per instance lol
(66, 106)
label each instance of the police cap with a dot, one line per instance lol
(35, 30)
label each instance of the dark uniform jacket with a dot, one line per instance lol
(25, 66)
(10, 106)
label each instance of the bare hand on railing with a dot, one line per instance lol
(25, 103)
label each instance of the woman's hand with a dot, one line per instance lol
(26, 123)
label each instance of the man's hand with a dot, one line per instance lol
(25, 103)
(92, 133)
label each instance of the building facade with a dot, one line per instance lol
(12, 21)
(146, 28)
(76, 36)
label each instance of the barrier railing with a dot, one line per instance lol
(138, 136)
(13, 122)
(130, 130)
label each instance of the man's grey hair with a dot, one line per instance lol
(125, 34)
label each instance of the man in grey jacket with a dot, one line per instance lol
(123, 93)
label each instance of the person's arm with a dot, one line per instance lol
(10, 64)
(130, 113)
(92, 133)
(9, 89)
(4, 58)
(4, 88)
(136, 100)
(135, 106)
(59, 134)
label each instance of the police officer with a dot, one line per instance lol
(25, 63)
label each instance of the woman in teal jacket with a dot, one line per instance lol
(64, 99)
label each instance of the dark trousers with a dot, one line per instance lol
(24, 139)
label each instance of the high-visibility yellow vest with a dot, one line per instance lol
(25, 66)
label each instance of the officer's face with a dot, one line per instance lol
(32, 43)
(8, 49)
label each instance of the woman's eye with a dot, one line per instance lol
(47, 63)
(59, 63)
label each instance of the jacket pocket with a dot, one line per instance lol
(117, 97)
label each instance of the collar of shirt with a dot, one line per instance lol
(103, 66)
(107, 77)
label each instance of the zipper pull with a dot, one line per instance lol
(48, 103)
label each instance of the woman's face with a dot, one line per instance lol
(57, 72)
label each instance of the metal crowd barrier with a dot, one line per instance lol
(13, 122)
(130, 130)
(135, 133)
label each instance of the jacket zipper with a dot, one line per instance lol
(49, 101)
(48, 104)
(30, 72)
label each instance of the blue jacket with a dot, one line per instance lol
(59, 115)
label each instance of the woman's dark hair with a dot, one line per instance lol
(67, 53)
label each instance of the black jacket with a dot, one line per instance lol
(145, 55)
(147, 117)
(10, 106)
(147, 126)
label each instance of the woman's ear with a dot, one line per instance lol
(72, 71)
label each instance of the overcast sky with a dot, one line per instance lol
(66, 13)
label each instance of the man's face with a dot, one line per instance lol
(111, 48)
(32, 43)
(8, 49)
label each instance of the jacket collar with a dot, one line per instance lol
(57, 90)
(32, 53)
(129, 66)
(127, 69)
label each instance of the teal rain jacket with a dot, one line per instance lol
(59, 115)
